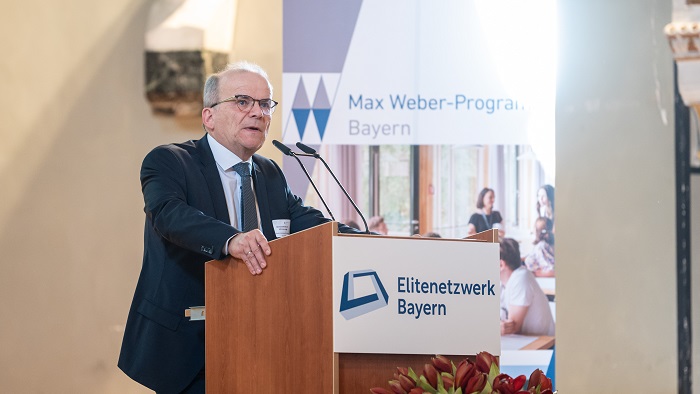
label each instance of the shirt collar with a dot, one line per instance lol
(224, 158)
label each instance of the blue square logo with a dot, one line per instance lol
(351, 307)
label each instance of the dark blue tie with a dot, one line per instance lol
(249, 215)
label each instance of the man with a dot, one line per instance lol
(523, 303)
(198, 208)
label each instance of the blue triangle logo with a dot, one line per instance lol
(321, 115)
(301, 116)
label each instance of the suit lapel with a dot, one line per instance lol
(263, 205)
(211, 174)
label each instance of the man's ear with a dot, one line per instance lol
(208, 118)
(502, 265)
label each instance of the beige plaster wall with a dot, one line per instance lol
(616, 257)
(75, 126)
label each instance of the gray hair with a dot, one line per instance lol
(211, 86)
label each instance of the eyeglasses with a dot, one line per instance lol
(246, 103)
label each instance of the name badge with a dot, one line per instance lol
(281, 227)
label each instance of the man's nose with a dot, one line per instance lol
(256, 109)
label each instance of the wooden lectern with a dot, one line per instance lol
(273, 333)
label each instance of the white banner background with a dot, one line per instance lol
(483, 69)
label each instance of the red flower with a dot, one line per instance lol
(470, 377)
(395, 386)
(504, 384)
(400, 371)
(448, 380)
(431, 374)
(476, 383)
(465, 371)
(538, 380)
(484, 360)
(407, 383)
(442, 364)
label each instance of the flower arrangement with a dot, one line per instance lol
(482, 377)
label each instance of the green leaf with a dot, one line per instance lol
(439, 383)
(495, 371)
(451, 391)
(412, 374)
(488, 389)
(423, 383)
(459, 390)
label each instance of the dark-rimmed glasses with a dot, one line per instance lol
(246, 103)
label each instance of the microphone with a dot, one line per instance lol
(285, 149)
(312, 152)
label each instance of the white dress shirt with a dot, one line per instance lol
(231, 181)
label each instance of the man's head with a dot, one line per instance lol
(510, 253)
(228, 116)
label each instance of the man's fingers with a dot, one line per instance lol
(251, 248)
(259, 257)
(254, 254)
(250, 267)
(259, 247)
(262, 243)
(252, 263)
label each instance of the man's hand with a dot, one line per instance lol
(251, 247)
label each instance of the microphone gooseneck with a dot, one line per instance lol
(312, 152)
(287, 151)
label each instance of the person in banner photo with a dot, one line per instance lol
(485, 217)
(377, 225)
(206, 199)
(545, 202)
(540, 260)
(524, 306)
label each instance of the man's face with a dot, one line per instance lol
(241, 132)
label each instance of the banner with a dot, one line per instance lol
(415, 72)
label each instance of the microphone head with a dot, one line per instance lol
(306, 149)
(282, 147)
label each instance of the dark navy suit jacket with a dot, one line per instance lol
(187, 224)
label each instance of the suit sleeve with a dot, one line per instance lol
(173, 208)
